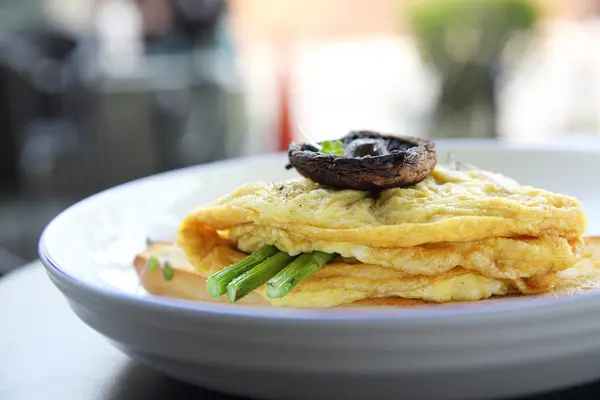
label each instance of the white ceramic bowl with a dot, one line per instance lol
(469, 351)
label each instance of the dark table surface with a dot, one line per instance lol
(47, 353)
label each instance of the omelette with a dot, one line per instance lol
(376, 218)
(455, 236)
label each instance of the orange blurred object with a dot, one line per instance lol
(285, 128)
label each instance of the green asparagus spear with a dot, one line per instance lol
(217, 282)
(300, 269)
(257, 276)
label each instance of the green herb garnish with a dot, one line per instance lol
(152, 263)
(168, 271)
(334, 148)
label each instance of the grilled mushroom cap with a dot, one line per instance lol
(372, 162)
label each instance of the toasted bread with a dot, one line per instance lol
(186, 283)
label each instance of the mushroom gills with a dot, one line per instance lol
(367, 147)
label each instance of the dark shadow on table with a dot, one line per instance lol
(583, 392)
(139, 382)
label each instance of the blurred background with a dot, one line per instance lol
(94, 93)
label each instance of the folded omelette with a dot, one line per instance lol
(456, 235)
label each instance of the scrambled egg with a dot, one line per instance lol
(584, 276)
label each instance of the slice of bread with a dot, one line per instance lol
(186, 283)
